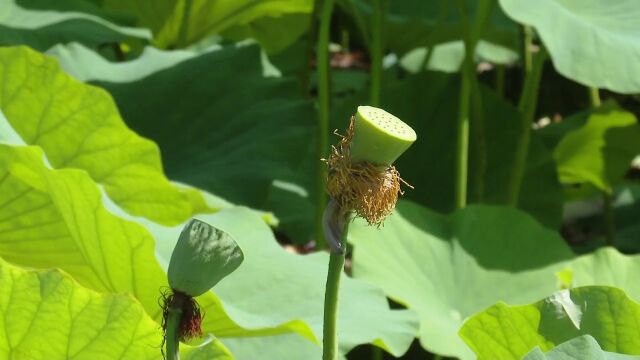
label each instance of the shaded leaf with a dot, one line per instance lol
(238, 130)
(42, 24)
(207, 17)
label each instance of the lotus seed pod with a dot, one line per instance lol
(379, 137)
(202, 257)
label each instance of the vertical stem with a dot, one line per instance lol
(527, 107)
(305, 77)
(462, 138)
(173, 328)
(376, 353)
(527, 53)
(468, 75)
(607, 198)
(331, 299)
(480, 156)
(500, 72)
(323, 113)
(443, 9)
(184, 25)
(376, 53)
(594, 96)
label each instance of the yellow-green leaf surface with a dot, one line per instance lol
(78, 126)
(510, 332)
(593, 42)
(165, 17)
(56, 218)
(45, 314)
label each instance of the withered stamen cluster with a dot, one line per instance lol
(370, 190)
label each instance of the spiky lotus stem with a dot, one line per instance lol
(363, 180)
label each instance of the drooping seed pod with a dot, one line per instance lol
(202, 257)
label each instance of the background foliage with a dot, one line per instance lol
(120, 120)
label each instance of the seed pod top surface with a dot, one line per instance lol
(379, 137)
(203, 256)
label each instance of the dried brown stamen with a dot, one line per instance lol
(370, 190)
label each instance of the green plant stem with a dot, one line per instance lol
(480, 149)
(500, 72)
(184, 25)
(594, 96)
(323, 115)
(607, 198)
(376, 52)
(331, 299)
(527, 106)
(305, 76)
(468, 75)
(376, 353)
(462, 137)
(173, 328)
(527, 53)
(443, 8)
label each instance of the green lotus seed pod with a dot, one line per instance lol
(202, 257)
(379, 137)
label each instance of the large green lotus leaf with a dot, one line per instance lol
(599, 152)
(274, 286)
(45, 314)
(78, 126)
(607, 267)
(57, 218)
(428, 102)
(449, 268)
(273, 33)
(583, 347)
(207, 17)
(411, 24)
(510, 332)
(448, 57)
(239, 131)
(277, 347)
(86, 65)
(43, 23)
(593, 42)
